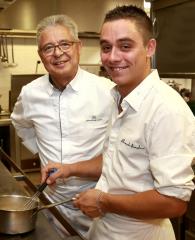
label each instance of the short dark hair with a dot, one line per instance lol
(134, 13)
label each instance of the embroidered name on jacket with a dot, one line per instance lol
(131, 145)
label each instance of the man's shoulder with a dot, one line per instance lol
(97, 80)
(40, 81)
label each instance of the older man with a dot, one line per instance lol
(65, 114)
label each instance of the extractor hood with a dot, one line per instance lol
(88, 14)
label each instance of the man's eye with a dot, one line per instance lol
(48, 48)
(125, 47)
(65, 45)
(106, 48)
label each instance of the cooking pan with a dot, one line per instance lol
(14, 218)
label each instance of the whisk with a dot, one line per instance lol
(29, 204)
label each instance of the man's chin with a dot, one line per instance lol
(117, 79)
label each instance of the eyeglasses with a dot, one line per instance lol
(63, 46)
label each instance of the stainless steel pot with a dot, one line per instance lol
(14, 218)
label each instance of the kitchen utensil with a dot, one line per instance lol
(12, 64)
(6, 49)
(30, 202)
(14, 219)
(1, 56)
(3, 43)
(40, 189)
(54, 204)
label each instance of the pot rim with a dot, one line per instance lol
(19, 197)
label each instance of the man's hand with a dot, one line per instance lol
(61, 171)
(88, 203)
(88, 169)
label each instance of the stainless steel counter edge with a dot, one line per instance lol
(5, 122)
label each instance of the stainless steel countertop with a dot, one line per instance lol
(5, 122)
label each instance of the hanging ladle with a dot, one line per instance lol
(0, 49)
(3, 42)
(13, 64)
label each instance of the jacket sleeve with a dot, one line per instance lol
(24, 126)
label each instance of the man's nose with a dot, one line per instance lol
(58, 51)
(115, 55)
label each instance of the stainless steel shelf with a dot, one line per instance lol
(14, 33)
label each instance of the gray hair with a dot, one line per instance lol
(62, 20)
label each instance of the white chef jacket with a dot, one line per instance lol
(151, 146)
(65, 126)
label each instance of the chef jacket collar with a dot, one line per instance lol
(116, 95)
(74, 83)
(137, 96)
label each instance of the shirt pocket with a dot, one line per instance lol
(89, 129)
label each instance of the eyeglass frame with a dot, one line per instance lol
(53, 47)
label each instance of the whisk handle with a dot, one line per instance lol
(44, 185)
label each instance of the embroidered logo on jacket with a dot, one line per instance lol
(93, 118)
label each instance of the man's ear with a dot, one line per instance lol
(40, 55)
(80, 45)
(151, 47)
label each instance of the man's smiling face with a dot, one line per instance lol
(123, 53)
(60, 65)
